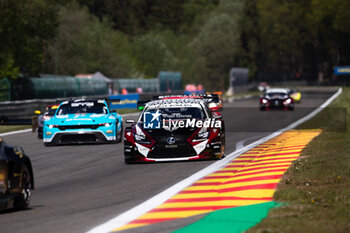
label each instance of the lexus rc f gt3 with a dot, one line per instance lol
(16, 177)
(83, 121)
(175, 129)
(276, 98)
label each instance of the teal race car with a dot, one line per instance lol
(83, 121)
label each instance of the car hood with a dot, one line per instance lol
(79, 119)
(276, 97)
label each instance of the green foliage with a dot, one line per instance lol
(85, 44)
(151, 54)
(202, 39)
(283, 31)
(141, 16)
(25, 28)
(286, 37)
(216, 45)
(196, 12)
(8, 70)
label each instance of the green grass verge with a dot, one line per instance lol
(9, 128)
(317, 186)
(233, 220)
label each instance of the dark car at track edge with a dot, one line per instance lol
(276, 98)
(16, 177)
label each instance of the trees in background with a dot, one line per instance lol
(201, 38)
(84, 44)
(216, 45)
(288, 37)
(25, 29)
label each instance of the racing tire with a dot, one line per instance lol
(48, 144)
(23, 200)
(127, 161)
(222, 149)
(262, 109)
(223, 146)
(120, 134)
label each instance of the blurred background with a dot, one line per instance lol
(276, 41)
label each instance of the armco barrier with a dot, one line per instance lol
(21, 111)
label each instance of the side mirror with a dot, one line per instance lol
(213, 107)
(129, 121)
(37, 112)
(217, 115)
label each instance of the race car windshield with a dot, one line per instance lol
(81, 108)
(271, 94)
(215, 100)
(51, 111)
(180, 113)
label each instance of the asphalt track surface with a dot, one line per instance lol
(81, 186)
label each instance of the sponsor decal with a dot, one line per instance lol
(153, 121)
(79, 104)
(124, 101)
(171, 140)
(342, 70)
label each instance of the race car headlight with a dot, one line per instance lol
(287, 101)
(53, 126)
(202, 134)
(139, 137)
(105, 124)
(264, 101)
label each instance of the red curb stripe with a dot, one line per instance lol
(241, 188)
(150, 221)
(202, 199)
(238, 181)
(256, 156)
(209, 208)
(276, 148)
(261, 160)
(247, 174)
(241, 168)
(250, 165)
(264, 155)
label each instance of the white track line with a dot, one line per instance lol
(240, 144)
(153, 202)
(16, 132)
